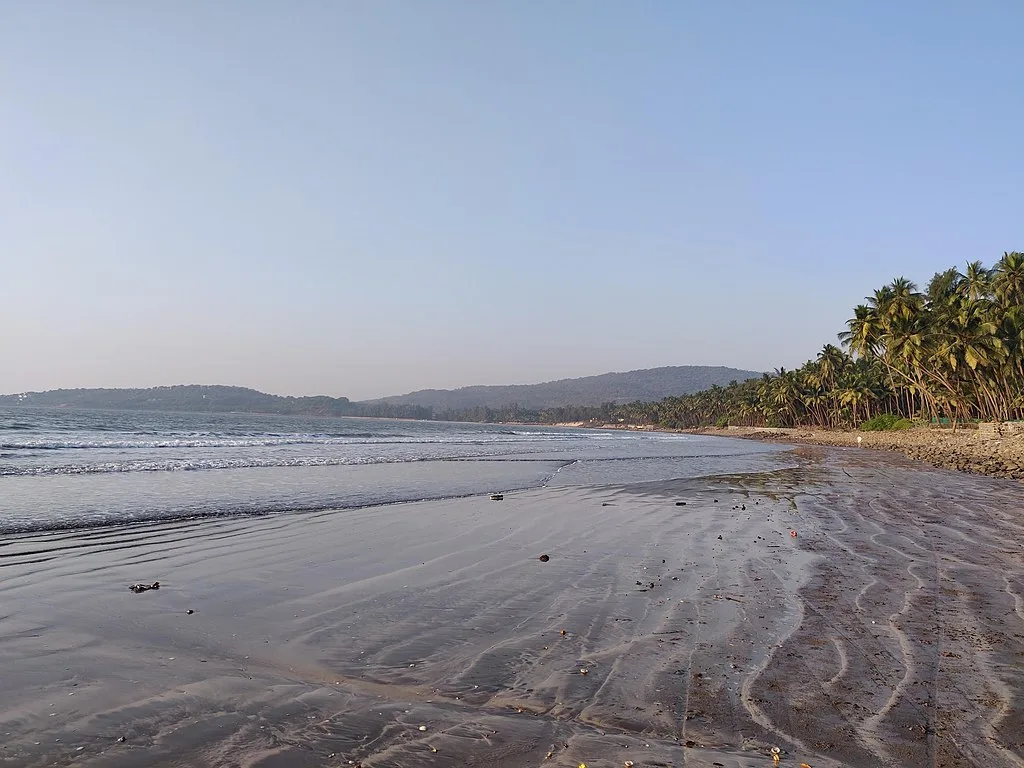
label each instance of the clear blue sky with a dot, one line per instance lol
(365, 198)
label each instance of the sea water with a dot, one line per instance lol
(67, 468)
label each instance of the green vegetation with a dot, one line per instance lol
(648, 385)
(554, 401)
(195, 398)
(885, 422)
(953, 353)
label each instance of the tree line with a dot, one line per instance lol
(950, 353)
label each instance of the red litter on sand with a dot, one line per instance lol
(793, 534)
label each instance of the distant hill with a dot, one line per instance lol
(648, 384)
(467, 403)
(193, 398)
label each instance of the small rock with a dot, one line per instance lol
(544, 558)
(189, 612)
(423, 727)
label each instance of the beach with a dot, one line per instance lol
(995, 450)
(852, 609)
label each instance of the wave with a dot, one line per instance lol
(192, 441)
(121, 519)
(247, 462)
(50, 444)
(205, 509)
(192, 465)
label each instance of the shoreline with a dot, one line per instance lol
(973, 451)
(966, 450)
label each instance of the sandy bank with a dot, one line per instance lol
(966, 450)
(980, 452)
(889, 631)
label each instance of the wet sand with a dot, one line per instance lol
(888, 632)
(995, 450)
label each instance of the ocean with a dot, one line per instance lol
(64, 469)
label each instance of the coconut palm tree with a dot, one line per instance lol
(954, 350)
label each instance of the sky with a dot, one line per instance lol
(367, 198)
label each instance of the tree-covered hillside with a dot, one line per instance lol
(192, 397)
(647, 384)
(513, 403)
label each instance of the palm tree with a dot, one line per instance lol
(955, 350)
(904, 300)
(976, 281)
(1008, 279)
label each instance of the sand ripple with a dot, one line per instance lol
(889, 632)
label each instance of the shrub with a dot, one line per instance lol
(885, 422)
(723, 422)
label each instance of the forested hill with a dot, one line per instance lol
(193, 398)
(647, 385)
(483, 403)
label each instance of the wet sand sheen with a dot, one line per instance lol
(890, 631)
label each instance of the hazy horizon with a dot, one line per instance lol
(368, 199)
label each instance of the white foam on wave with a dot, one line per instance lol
(190, 465)
(52, 443)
